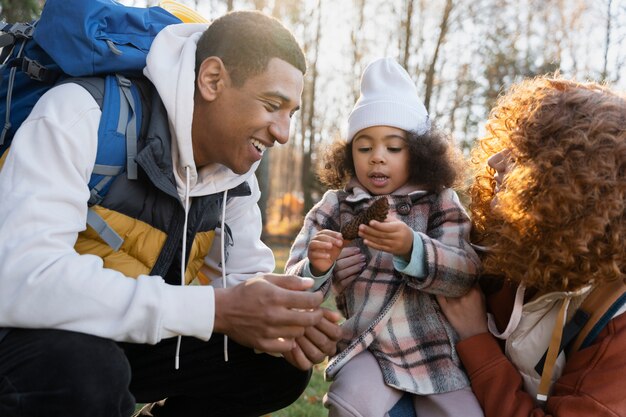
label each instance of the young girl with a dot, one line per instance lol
(395, 339)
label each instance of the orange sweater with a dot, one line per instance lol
(593, 382)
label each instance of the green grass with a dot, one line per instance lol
(310, 402)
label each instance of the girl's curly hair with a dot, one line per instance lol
(559, 220)
(434, 161)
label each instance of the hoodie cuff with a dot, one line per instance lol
(188, 311)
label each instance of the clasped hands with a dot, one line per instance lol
(275, 313)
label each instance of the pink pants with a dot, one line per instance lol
(360, 391)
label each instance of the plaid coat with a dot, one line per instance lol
(396, 316)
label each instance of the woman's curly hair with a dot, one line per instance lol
(434, 162)
(558, 222)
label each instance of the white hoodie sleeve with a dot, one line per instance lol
(44, 282)
(247, 255)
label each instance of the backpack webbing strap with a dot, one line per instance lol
(9, 99)
(106, 232)
(108, 173)
(554, 349)
(570, 331)
(127, 124)
(601, 305)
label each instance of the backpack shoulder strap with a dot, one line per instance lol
(118, 132)
(596, 310)
(600, 305)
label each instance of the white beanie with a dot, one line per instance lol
(388, 98)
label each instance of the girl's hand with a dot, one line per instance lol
(467, 314)
(392, 236)
(323, 250)
(348, 266)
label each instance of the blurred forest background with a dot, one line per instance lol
(460, 53)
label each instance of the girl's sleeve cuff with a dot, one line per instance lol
(416, 267)
(319, 280)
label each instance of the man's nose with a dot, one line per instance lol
(279, 130)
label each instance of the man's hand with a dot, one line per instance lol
(466, 314)
(317, 343)
(392, 236)
(267, 312)
(323, 250)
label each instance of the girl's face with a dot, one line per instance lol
(381, 159)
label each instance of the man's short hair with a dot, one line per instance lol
(245, 41)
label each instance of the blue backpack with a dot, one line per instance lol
(83, 38)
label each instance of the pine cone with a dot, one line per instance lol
(377, 211)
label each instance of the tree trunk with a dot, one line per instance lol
(356, 49)
(308, 176)
(607, 43)
(407, 34)
(430, 74)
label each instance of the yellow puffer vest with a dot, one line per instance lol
(141, 248)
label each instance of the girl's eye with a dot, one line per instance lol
(395, 150)
(363, 149)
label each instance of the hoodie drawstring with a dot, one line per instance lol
(183, 257)
(223, 258)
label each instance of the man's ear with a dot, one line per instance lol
(212, 78)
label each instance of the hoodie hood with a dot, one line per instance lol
(170, 66)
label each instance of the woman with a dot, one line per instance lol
(548, 213)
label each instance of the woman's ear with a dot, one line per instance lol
(212, 78)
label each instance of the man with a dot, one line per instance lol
(67, 299)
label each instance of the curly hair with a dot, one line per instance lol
(558, 222)
(245, 41)
(434, 162)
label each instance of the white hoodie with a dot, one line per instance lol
(44, 283)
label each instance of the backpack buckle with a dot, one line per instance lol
(123, 81)
(35, 70)
(20, 30)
